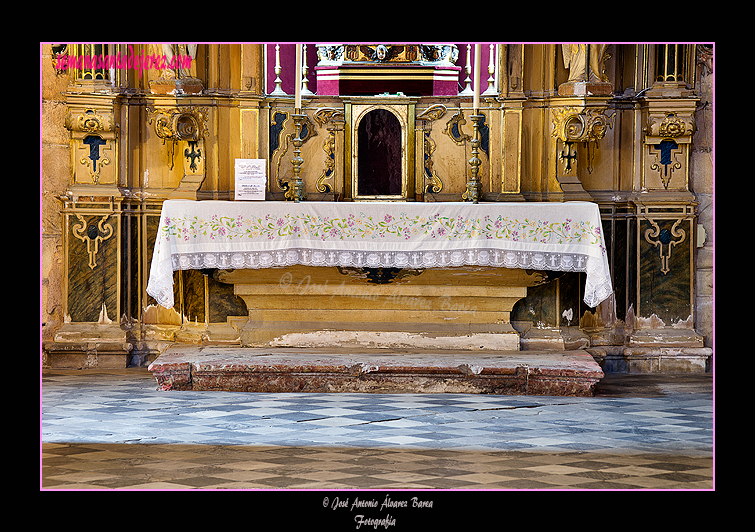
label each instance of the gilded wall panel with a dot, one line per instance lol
(511, 148)
(452, 135)
(666, 166)
(94, 161)
(249, 131)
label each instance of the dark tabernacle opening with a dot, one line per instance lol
(379, 158)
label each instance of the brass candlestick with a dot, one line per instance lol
(296, 191)
(474, 187)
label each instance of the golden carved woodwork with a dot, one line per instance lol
(432, 179)
(92, 234)
(634, 141)
(93, 130)
(329, 147)
(90, 121)
(454, 131)
(575, 124)
(668, 124)
(668, 129)
(665, 241)
(179, 123)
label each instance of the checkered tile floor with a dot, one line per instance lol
(117, 431)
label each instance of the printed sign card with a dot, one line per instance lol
(250, 179)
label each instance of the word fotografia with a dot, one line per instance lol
(385, 522)
(130, 60)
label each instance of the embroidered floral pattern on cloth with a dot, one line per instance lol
(218, 234)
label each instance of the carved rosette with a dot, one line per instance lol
(671, 125)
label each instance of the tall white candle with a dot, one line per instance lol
(297, 78)
(476, 98)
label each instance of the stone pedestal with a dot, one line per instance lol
(584, 88)
(176, 86)
(665, 350)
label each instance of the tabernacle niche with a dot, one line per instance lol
(379, 159)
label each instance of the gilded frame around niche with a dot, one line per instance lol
(404, 112)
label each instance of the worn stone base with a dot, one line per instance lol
(664, 350)
(620, 359)
(568, 373)
(86, 346)
(86, 355)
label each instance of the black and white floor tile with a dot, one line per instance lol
(116, 430)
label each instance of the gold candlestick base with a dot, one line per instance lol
(296, 190)
(474, 187)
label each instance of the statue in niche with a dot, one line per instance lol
(178, 74)
(171, 53)
(585, 64)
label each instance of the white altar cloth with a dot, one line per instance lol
(234, 235)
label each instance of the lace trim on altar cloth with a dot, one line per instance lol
(160, 284)
(534, 260)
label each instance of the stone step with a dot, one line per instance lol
(205, 368)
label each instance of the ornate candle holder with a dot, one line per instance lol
(474, 187)
(296, 190)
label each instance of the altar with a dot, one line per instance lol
(365, 289)
(398, 270)
(411, 199)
